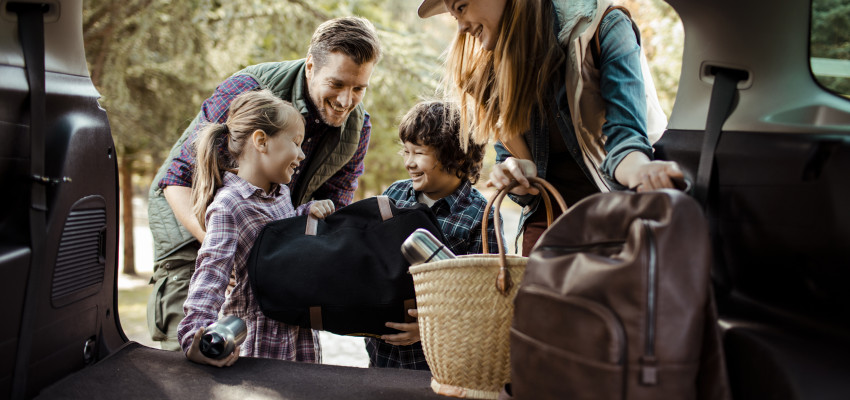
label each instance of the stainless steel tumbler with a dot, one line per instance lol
(223, 336)
(421, 247)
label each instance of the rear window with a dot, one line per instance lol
(830, 45)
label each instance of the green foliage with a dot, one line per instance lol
(141, 56)
(830, 38)
(155, 61)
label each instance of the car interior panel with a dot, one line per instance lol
(777, 204)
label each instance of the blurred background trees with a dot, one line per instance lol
(155, 61)
(830, 49)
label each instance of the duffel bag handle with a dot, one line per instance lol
(383, 207)
(503, 280)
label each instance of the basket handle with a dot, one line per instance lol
(503, 281)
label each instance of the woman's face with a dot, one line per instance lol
(479, 18)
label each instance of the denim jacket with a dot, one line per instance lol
(615, 90)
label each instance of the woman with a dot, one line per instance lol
(524, 76)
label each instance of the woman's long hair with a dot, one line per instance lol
(498, 90)
(250, 111)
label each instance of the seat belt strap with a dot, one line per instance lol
(31, 33)
(721, 105)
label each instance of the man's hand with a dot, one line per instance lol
(194, 354)
(410, 334)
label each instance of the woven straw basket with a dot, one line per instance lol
(464, 318)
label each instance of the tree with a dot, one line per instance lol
(154, 61)
(830, 39)
(143, 58)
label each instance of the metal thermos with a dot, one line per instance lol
(421, 247)
(223, 336)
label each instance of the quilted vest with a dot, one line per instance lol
(286, 80)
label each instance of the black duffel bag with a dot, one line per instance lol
(344, 274)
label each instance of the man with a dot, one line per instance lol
(327, 88)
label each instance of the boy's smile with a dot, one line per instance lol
(426, 173)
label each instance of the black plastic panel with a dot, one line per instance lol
(78, 272)
(782, 216)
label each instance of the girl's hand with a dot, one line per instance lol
(514, 169)
(194, 354)
(321, 208)
(410, 334)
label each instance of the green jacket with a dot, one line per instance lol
(285, 79)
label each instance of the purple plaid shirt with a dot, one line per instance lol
(234, 219)
(339, 188)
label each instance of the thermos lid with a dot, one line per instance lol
(420, 247)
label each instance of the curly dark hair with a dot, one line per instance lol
(437, 124)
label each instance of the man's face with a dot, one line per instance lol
(338, 86)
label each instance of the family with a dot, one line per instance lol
(289, 138)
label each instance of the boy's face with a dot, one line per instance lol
(427, 173)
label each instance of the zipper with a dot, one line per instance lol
(584, 247)
(648, 368)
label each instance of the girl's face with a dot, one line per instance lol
(479, 18)
(283, 154)
(427, 173)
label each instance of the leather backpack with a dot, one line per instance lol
(616, 304)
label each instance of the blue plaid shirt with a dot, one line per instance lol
(459, 215)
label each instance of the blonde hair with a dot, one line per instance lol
(248, 112)
(498, 90)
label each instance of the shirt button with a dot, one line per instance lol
(308, 140)
(317, 121)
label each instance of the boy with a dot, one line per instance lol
(441, 176)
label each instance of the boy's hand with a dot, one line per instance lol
(410, 334)
(194, 354)
(321, 208)
(514, 169)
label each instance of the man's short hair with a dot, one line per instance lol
(353, 36)
(437, 124)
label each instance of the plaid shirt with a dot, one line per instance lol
(234, 219)
(339, 188)
(459, 215)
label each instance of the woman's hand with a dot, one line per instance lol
(194, 354)
(410, 334)
(322, 208)
(639, 173)
(514, 169)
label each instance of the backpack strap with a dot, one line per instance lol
(596, 48)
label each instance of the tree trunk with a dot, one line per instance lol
(126, 178)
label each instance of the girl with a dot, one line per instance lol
(263, 135)
(521, 79)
